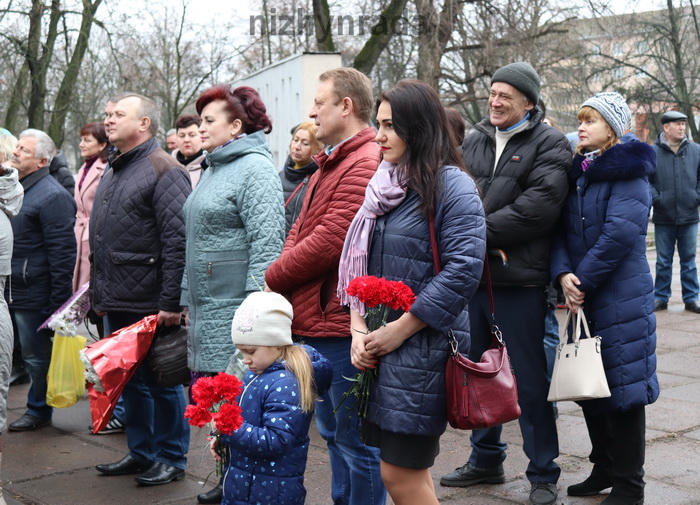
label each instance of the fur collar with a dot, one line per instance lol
(621, 162)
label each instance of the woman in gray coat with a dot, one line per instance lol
(11, 195)
(234, 225)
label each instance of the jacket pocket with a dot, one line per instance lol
(226, 274)
(135, 276)
(20, 271)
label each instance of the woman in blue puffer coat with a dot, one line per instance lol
(600, 261)
(420, 179)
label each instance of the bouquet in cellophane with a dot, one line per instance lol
(111, 362)
(380, 296)
(216, 403)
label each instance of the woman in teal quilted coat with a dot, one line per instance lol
(234, 222)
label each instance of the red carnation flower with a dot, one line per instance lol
(197, 415)
(228, 419)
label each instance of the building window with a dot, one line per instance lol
(619, 49)
(642, 72)
(618, 73)
(595, 50)
(642, 46)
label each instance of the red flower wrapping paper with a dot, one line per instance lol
(115, 359)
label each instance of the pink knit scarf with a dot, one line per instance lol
(384, 192)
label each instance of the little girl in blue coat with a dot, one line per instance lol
(268, 452)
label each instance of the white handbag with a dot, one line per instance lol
(578, 366)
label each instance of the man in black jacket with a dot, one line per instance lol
(520, 165)
(58, 168)
(137, 236)
(42, 266)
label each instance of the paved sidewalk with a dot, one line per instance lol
(55, 465)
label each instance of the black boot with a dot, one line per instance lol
(213, 496)
(593, 485)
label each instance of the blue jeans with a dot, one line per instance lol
(666, 237)
(36, 353)
(355, 475)
(520, 314)
(551, 339)
(156, 429)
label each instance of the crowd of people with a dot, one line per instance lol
(255, 261)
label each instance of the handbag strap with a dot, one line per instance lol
(495, 330)
(579, 321)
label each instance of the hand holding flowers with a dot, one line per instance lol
(372, 337)
(216, 403)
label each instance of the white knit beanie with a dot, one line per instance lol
(263, 319)
(613, 107)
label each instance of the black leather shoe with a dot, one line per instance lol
(469, 475)
(213, 496)
(693, 306)
(589, 487)
(660, 305)
(19, 375)
(28, 423)
(160, 473)
(128, 464)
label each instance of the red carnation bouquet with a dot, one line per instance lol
(380, 296)
(215, 403)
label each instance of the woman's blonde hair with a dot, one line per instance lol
(298, 362)
(310, 127)
(8, 144)
(587, 113)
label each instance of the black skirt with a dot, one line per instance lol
(409, 451)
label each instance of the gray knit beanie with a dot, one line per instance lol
(522, 77)
(263, 319)
(613, 107)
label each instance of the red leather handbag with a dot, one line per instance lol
(483, 394)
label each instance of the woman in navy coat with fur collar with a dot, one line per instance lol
(600, 261)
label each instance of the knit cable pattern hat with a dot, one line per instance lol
(613, 107)
(263, 319)
(522, 77)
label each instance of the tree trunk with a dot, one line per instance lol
(16, 99)
(39, 65)
(323, 30)
(685, 99)
(379, 40)
(65, 92)
(436, 31)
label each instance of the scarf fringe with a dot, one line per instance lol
(352, 266)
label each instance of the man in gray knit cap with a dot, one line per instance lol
(520, 165)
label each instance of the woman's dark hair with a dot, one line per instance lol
(242, 103)
(187, 120)
(419, 120)
(97, 130)
(457, 125)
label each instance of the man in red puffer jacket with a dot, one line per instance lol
(307, 270)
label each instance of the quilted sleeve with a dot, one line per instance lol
(171, 191)
(57, 222)
(318, 252)
(262, 213)
(282, 424)
(460, 229)
(625, 222)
